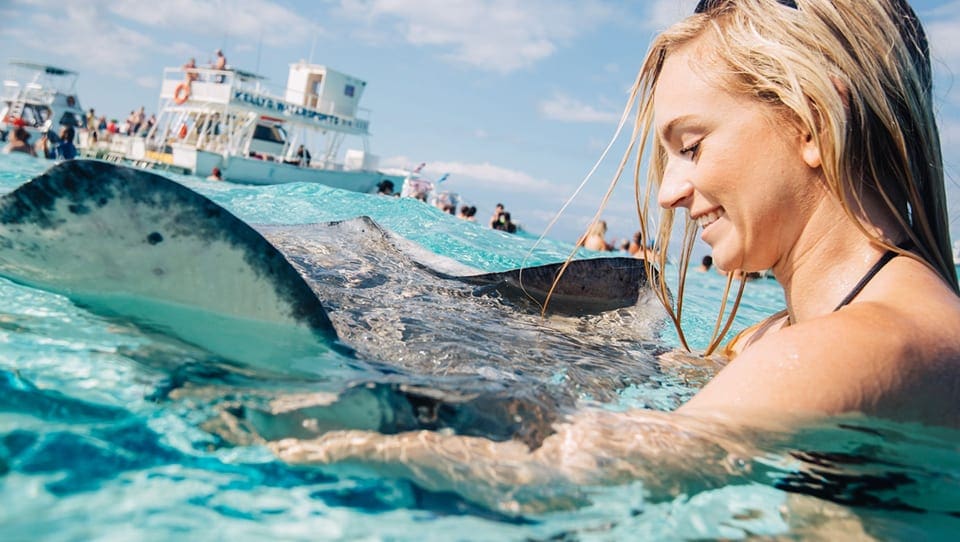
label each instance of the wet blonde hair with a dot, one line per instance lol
(853, 73)
(598, 227)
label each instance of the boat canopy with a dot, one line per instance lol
(47, 69)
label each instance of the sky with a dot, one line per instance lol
(515, 99)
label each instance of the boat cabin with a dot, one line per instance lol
(229, 120)
(39, 97)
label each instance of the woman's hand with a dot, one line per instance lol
(669, 453)
(503, 476)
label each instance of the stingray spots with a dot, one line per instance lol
(155, 238)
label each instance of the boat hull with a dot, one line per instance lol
(242, 170)
(262, 172)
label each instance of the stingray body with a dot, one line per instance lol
(463, 349)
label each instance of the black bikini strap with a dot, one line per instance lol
(868, 276)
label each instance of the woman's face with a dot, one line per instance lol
(739, 171)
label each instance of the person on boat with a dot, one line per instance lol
(303, 156)
(190, 71)
(19, 142)
(138, 121)
(798, 136)
(219, 63)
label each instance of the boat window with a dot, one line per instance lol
(274, 134)
(35, 115)
(29, 116)
(69, 119)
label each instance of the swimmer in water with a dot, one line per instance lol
(797, 136)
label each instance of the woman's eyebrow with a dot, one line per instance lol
(666, 132)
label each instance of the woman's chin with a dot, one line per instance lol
(724, 263)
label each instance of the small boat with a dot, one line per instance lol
(417, 186)
(226, 119)
(39, 97)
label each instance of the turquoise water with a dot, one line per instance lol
(107, 431)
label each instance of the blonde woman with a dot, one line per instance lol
(793, 136)
(595, 238)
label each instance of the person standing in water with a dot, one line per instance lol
(595, 237)
(798, 136)
(19, 142)
(705, 264)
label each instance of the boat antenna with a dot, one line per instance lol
(313, 45)
(259, 48)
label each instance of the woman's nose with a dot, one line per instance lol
(675, 189)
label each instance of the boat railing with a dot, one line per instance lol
(36, 93)
(200, 84)
(11, 90)
(31, 92)
(199, 88)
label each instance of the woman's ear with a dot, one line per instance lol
(809, 150)
(808, 146)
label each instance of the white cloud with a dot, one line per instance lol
(83, 35)
(275, 24)
(942, 25)
(663, 13)
(564, 108)
(106, 37)
(148, 81)
(490, 175)
(495, 35)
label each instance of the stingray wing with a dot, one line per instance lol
(135, 244)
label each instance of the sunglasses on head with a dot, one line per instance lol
(707, 5)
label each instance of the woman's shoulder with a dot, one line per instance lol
(744, 338)
(906, 311)
(895, 353)
(904, 318)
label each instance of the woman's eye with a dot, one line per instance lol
(691, 149)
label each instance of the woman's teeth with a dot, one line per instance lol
(709, 218)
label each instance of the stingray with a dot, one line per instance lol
(442, 345)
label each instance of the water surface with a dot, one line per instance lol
(109, 431)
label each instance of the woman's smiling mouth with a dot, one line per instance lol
(708, 218)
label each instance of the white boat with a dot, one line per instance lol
(226, 119)
(417, 186)
(39, 97)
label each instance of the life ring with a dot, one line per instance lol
(181, 93)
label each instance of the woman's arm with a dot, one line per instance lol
(669, 453)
